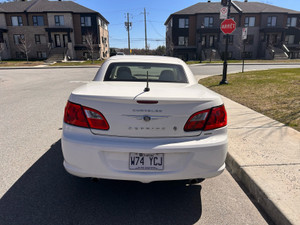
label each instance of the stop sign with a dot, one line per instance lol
(228, 26)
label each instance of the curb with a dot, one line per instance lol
(262, 199)
(48, 67)
(240, 64)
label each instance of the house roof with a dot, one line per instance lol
(36, 6)
(14, 7)
(247, 7)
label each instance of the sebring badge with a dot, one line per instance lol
(146, 118)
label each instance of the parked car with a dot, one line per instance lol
(144, 118)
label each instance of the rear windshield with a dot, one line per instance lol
(135, 72)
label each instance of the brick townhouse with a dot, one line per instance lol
(194, 32)
(51, 29)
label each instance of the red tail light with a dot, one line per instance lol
(217, 118)
(74, 115)
(95, 119)
(207, 119)
(82, 116)
(197, 121)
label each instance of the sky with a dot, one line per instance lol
(157, 12)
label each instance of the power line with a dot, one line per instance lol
(156, 30)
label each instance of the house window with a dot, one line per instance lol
(16, 21)
(37, 38)
(41, 55)
(102, 24)
(105, 26)
(38, 20)
(86, 21)
(59, 20)
(289, 39)
(291, 22)
(250, 21)
(272, 21)
(247, 55)
(229, 55)
(18, 38)
(84, 39)
(183, 41)
(208, 21)
(184, 23)
(104, 40)
(40, 39)
(249, 40)
(88, 39)
(99, 22)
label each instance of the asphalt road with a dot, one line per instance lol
(205, 70)
(35, 189)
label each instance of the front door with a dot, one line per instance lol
(275, 39)
(272, 39)
(57, 40)
(211, 41)
(66, 40)
(203, 42)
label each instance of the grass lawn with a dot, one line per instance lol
(20, 63)
(79, 63)
(274, 93)
(247, 61)
(36, 63)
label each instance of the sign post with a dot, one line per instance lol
(227, 27)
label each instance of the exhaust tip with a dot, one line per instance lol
(195, 181)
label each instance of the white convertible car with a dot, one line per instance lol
(144, 118)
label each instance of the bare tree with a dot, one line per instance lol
(90, 41)
(24, 46)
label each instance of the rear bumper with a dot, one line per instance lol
(87, 155)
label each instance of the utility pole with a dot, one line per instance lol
(145, 20)
(128, 25)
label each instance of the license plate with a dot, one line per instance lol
(141, 161)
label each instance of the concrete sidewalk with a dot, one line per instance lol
(265, 156)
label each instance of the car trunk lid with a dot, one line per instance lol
(131, 112)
